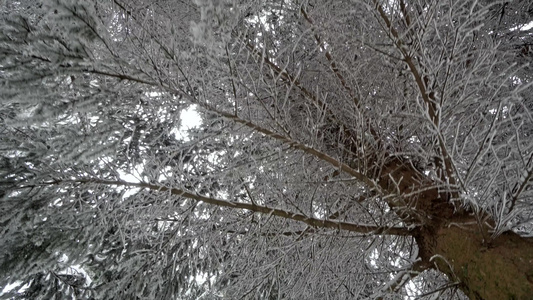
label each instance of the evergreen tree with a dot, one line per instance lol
(359, 149)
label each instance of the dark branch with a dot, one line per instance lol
(313, 222)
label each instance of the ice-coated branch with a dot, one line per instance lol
(399, 280)
(329, 57)
(433, 109)
(313, 222)
(294, 144)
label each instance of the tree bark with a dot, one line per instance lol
(499, 268)
(458, 243)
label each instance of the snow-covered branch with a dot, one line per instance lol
(311, 221)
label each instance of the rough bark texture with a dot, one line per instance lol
(459, 244)
(499, 268)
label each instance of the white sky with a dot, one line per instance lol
(189, 119)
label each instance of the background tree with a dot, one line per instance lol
(348, 149)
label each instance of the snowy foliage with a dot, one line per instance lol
(285, 191)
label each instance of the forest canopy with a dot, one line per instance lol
(361, 149)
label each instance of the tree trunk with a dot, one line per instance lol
(499, 268)
(456, 243)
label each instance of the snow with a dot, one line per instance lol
(523, 27)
